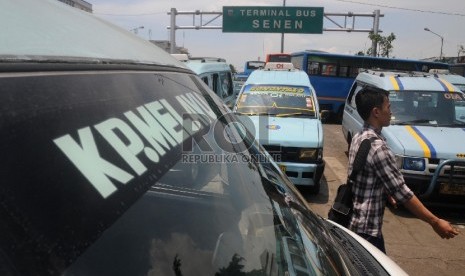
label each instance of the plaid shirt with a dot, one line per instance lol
(379, 178)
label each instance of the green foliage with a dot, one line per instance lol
(235, 268)
(384, 44)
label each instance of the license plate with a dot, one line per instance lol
(283, 168)
(451, 189)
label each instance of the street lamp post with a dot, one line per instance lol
(442, 40)
(282, 34)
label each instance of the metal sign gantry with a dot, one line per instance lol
(348, 25)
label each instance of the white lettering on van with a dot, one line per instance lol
(129, 151)
(193, 104)
(171, 124)
(156, 123)
(87, 159)
(152, 131)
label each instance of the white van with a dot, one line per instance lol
(94, 179)
(282, 105)
(425, 130)
(216, 73)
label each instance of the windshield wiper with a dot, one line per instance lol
(418, 121)
(256, 113)
(297, 114)
(458, 124)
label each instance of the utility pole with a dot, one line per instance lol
(197, 13)
(282, 34)
(374, 44)
(173, 30)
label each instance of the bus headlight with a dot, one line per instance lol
(413, 164)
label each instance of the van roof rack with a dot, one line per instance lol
(397, 73)
(205, 59)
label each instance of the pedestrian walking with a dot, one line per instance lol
(381, 181)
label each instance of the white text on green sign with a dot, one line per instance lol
(273, 19)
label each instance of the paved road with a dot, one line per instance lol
(409, 241)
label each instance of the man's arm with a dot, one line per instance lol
(440, 226)
(387, 171)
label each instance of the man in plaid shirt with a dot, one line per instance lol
(380, 180)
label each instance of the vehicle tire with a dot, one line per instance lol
(315, 189)
(339, 114)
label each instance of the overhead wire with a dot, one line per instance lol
(400, 8)
(138, 14)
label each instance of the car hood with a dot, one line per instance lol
(288, 132)
(426, 141)
(387, 263)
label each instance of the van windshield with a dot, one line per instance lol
(278, 100)
(427, 108)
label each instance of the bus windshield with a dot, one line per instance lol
(276, 100)
(278, 58)
(253, 65)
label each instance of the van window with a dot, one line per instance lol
(351, 99)
(276, 100)
(432, 107)
(215, 84)
(205, 80)
(226, 88)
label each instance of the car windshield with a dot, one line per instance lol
(145, 174)
(215, 210)
(276, 100)
(434, 108)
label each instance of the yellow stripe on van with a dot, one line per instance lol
(449, 86)
(394, 82)
(420, 141)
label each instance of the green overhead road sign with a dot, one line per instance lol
(254, 19)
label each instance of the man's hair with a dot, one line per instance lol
(369, 98)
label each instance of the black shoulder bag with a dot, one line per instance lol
(341, 211)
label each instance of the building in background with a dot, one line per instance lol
(79, 4)
(165, 45)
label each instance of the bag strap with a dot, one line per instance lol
(360, 158)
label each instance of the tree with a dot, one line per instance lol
(383, 44)
(460, 50)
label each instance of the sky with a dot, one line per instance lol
(405, 19)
